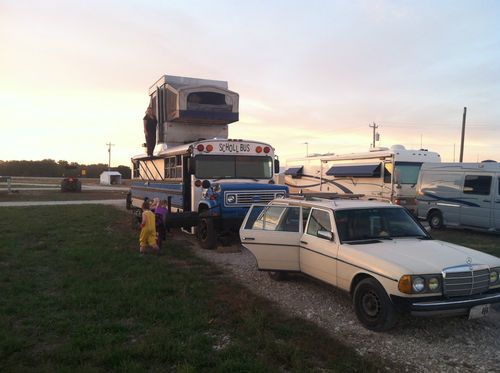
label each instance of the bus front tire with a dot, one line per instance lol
(436, 220)
(206, 234)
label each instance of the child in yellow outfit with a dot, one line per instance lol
(148, 229)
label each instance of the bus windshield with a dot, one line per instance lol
(233, 167)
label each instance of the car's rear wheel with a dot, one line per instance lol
(435, 220)
(373, 306)
(278, 275)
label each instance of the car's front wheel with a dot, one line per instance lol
(278, 275)
(373, 306)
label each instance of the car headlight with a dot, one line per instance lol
(493, 276)
(418, 284)
(231, 198)
(433, 284)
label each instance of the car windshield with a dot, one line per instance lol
(376, 223)
(233, 167)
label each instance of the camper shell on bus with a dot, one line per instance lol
(380, 174)
(208, 179)
(460, 195)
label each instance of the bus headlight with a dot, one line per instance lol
(231, 198)
(279, 195)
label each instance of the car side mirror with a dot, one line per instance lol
(326, 235)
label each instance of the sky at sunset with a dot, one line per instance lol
(74, 75)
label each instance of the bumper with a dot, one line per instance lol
(444, 306)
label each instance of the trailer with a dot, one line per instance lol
(209, 180)
(380, 174)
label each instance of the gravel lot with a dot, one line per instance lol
(421, 344)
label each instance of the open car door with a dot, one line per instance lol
(272, 234)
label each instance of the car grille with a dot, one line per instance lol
(466, 280)
(248, 198)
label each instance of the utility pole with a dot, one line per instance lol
(374, 126)
(463, 137)
(307, 148)
(109, 154)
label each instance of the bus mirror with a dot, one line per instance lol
(276, 166)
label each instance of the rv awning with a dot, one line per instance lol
(358, 170)
(295, 171)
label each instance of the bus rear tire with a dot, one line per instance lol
(206, 234)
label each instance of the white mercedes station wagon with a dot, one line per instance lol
(377, 252)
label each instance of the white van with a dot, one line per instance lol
(460, 195)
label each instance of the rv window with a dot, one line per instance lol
(387, 173)
(480, 185)
(407, 172)
(206, 98)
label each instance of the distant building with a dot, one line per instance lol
(111, 178)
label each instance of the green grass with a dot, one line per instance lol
(487, 242)
(76, 296)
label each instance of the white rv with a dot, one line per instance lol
(380, 174)
(460, 195)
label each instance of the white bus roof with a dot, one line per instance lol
(181, 149)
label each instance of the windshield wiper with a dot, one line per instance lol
(362, 241)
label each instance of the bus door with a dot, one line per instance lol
(186, 185)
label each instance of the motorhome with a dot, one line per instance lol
(380, 174)
(460, 195)
(208, 179)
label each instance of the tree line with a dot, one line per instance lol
(51, 168)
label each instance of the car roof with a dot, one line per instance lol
(334, 204)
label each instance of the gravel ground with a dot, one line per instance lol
(421, 344)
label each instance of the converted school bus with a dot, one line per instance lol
(209, 179)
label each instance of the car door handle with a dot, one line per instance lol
(304, 242)
(249, 238)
